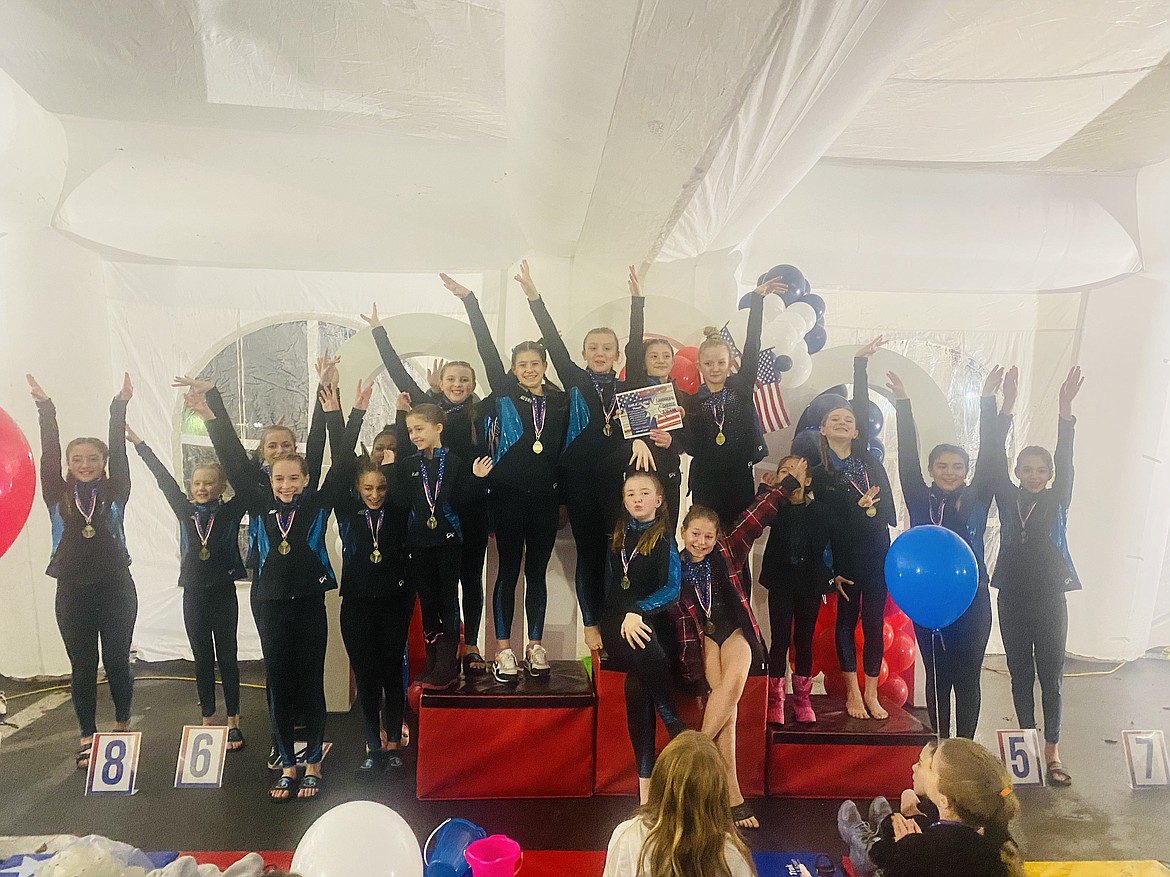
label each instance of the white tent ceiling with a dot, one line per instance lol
(400, 136)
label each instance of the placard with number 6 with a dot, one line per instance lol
(201, 756)
(1146, 753)
(113, 764)
(1019, 750)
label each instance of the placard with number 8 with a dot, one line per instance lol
(201, 757)
(113, 764)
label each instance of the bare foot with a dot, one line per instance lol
(121, 727)
(874, 706)
(854, 705)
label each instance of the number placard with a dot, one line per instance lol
(1146, 753)
(1020, 752)
(113, 764)
(202, 752)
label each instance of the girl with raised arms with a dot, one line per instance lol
(524, 421)
(955, 662)
(718, 638)
(96, 600)
(209, 565)
(595, 453)
(455, 397)
(853, 484)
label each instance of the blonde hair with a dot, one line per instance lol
(979, 790)
(712, 339)
(654, 532)
(687, 816)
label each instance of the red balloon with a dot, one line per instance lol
(895, 691)
(835, 682)
(685, 374)
(18, 479)
(883, 674)
(902, 652)
(897, 619)
(691, 353)
(825, 651)
(887, 637)
(622, 374)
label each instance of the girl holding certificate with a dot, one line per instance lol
(524, 421)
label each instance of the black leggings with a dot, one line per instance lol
(374, 630)
(293, 635)
(867, 598)
(87, 613)
(211, 616)
(1034, 632)
(792, 606)
(728, 494)
(592, 520)
(526, 532)
(433, 573)
(648, 689)
(954, 662)
(474, 523)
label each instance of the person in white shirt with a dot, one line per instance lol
(689, 801)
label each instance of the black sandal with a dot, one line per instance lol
(284, 784)
(474, 664)
(742, 813)
(235, 735)
(1058, 775)
(84, 752)
(310, 782)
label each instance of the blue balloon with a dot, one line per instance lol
(817, 303)
(807, 444)
(746, 301)
(815, 338)
(818, 408)
(789, 275)
(877, 449)
(783, 362)
(932, 575)
(791, 296)
(805, 287)
(877, 420)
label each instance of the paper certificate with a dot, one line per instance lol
(649, 408)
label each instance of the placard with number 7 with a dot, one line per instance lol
(1019, 750)
(1145, 751)
(201, 756)
(113, 764)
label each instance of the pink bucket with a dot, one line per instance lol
(494, 856)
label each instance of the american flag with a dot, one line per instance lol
(769, 402)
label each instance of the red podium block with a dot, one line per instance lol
(615, 773)
(482, 739)
(843, 757)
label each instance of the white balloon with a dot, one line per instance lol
(781, 336)
(804, 313)
(773, 308)
(358, 837)
(801, 371)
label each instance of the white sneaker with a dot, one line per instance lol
(505, 669)
(536, 660)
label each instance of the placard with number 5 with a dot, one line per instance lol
(113, 764)
(201, 756)
(1019, 750)
(1146, 753)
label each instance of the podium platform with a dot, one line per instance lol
(534, 739)
(615, 773)
(842, 757)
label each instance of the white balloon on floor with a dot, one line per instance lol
(358, 837)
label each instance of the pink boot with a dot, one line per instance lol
(801, 688)
(776, 690)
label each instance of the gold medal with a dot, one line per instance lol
(871, 512)
(433, 522)
(606, 429)
(284, 547)
(720, 439)
(537, 447)
(376, 556)
(709, 628)
(204, 553)
(88, 531)
(625, 583)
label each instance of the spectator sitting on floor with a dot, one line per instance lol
(685, 827)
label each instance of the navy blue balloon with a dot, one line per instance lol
(791, 296)
(746, 301)
(877, 449)
(807, 444)
(816, 303)
(815, 413)
(932, 575)
(877, 420)
(783, 362)
(805, 287)
(815, 338)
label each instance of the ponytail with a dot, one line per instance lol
(979, 790)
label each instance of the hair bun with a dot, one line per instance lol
(710, 332)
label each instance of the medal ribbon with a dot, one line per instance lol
(433, 498)
(627, 561)
(607, 410)
(203, 537)
(719, 408)
(285, 528)
(864, 480)
(942, 509)
(374, 529)
(700, 573)
(539, 404)
(92, 504)
(1023, 517)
